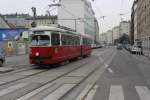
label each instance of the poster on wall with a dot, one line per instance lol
(10, 34)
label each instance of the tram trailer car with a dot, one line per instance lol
(51, 45)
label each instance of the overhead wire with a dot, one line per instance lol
(104, 18)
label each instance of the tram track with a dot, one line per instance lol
(88, 60)
(16, 70)
(65, 74)
(69, 68)
(81, 81)
(84, 89)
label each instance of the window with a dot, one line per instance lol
(55, 39)
(40, 40)
(64, 40)
(86, 41)
(70, 40)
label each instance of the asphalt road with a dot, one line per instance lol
(108, 74)
(126, 78)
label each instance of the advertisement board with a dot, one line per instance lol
(9, 34)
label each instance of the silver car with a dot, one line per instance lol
(2, 57)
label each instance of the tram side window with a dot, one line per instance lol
(55, 39)
(76, 41)
(70, 40)
(64, 39)
(86, 41)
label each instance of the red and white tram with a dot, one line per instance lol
(51, 45)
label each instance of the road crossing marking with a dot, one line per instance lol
(91, 94)
(29, 95)
(116, 93)
(143, 92)
(57, 94)
(12, 88)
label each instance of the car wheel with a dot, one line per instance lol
(1, 63)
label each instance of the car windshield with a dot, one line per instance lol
(40, 40)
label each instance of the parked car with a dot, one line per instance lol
(2, 57)
(119, 46)
(135, 49)
(128, 47)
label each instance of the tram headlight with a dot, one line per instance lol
(37, 54)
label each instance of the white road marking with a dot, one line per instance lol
(12, 88)
(91, 94)
(116, 93)
(29, 95)
(84, 92)
(143, 92)
(110, 70)
(106, 66)
(57, 94)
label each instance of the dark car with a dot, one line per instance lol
(2, 57)
(119, 46)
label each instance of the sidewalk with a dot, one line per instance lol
(141, 58)
(16, 60)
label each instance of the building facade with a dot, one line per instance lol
(16, 20)
(78, 15)
(103, 38)
(116, 33)
(3, 23)
(41, 20)
(109, 37)
(125, 28)
(143, 24)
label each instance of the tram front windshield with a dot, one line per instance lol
(40, 40)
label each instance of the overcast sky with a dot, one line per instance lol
(109, 8)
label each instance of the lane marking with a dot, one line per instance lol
(106, 65)
(110, 70)
(84, 92)
(12, 88)
(116, 93)
(143, 92)
(29, 95)
(57, 94)
(91, 94)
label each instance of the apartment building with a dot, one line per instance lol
(79, 15)
(143, 24)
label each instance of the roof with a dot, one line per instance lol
(55, 28)
(50, 28)
(42, 17)
(3, 23)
